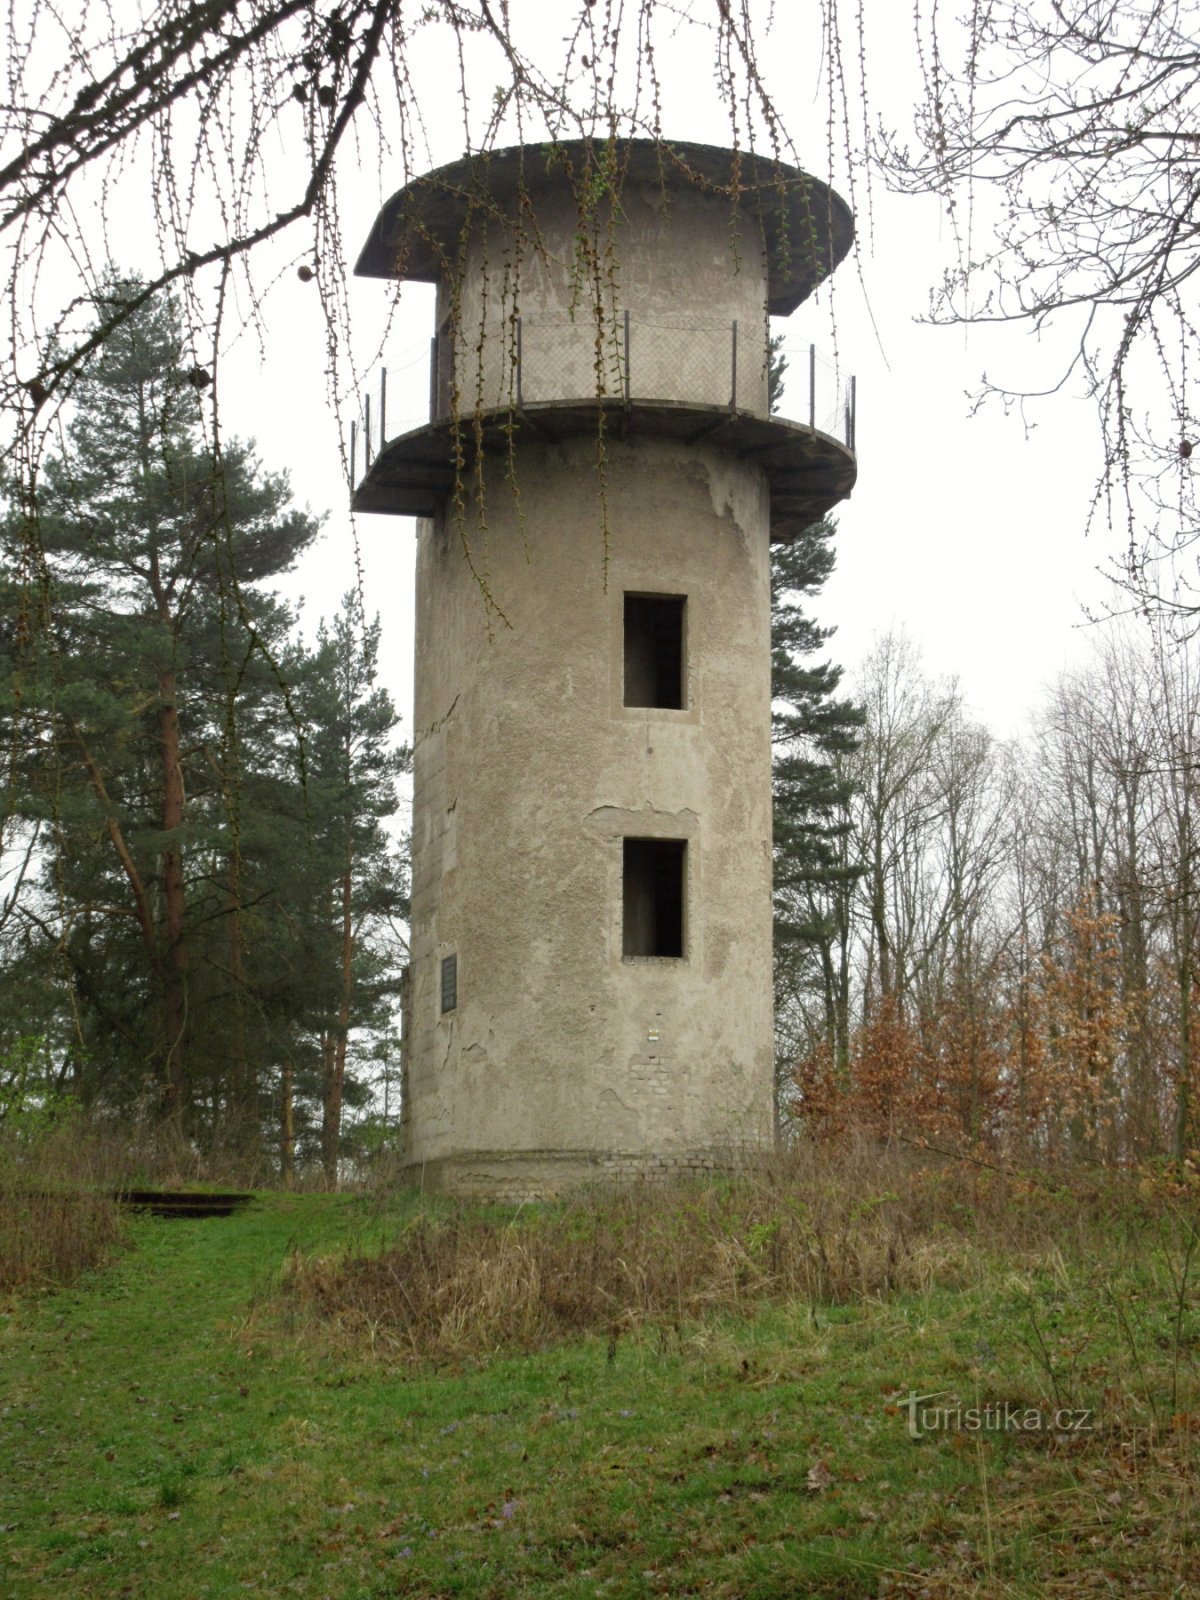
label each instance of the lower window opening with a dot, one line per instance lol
(653, 894)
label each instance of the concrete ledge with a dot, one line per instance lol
(808, 472)
(523, 1175)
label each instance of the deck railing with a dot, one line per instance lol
(532, 360)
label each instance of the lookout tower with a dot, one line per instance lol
(596, 489)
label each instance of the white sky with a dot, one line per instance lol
(968, 532)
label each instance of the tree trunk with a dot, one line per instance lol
(245, 1108)
(175, 964)
(335, 1050)
(331, 1107)
(287, 1129)
(1187, 977)
(141, 900)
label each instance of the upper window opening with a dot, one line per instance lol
(654, 650)
(653, 895)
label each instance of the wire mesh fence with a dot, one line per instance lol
(537, 359)
(395, 403)
(817, 394)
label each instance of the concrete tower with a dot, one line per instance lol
(596, 490)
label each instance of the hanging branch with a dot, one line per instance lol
(1065, 151)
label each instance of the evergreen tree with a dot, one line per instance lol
(131, 639)
(358, 883)
(812, 730)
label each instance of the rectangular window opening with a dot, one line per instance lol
(654, 650)
(449, 983)
(655, 871)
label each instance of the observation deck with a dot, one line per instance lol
(618, 294)
(809, 465)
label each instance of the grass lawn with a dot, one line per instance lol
(178, 1425)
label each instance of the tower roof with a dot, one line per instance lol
(807, 228)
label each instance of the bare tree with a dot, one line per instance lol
(1030, 905)
(1062, 138)
(1021, 947)
(1118, 754)
(898, 808)
(210, 129)
(1173, 715)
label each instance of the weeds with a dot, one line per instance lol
(187, 1423)
(806, 1228)
(61, 1168)
(50, 1239)
(51, 1229)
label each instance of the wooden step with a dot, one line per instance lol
(181, 1202)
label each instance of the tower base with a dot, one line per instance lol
(511, 1177)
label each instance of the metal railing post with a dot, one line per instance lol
(520, 392)
(628, 385)
(733, 383)
(433, 378)
(367, 432)
(382, 408)
(852, 441)
(353, 454)
(812, 386)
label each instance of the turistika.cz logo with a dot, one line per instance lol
(995, 1416)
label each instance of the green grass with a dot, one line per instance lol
(174, 1425)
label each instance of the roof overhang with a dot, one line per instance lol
(805, 226)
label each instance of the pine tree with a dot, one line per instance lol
(358, 888)
(133, 632)
(812, 730)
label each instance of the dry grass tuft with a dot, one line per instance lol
(144, 1151)
(54, 1223)
(808, 1226)
(47, 1239)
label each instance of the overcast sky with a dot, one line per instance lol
(966, 531)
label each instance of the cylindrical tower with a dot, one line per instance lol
(596, 490)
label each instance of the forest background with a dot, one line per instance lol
(978, 938)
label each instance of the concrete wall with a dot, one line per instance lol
(564, 1058)
(669, 259)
